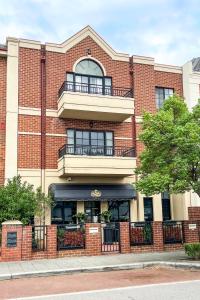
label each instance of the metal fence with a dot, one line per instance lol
(141, 233)
(72, 86)
(71, 236)
(96, 150)
(172, 232)
(39, 237)
(110, 237)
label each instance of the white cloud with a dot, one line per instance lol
(165, 29)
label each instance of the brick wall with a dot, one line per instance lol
(169, 80)
(2, 117)
(31, 158)
(145, 80)
(29, 77)
(144, 88)
(93, 240)
(57, 64)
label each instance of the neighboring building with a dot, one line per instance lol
(191, 87)
(70, 118)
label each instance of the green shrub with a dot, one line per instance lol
(193, 250)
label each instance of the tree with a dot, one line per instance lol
(19, 201)
(171, 159)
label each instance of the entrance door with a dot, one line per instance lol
(92, 211)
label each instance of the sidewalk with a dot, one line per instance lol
(47, 267)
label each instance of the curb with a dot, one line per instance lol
(177, 265)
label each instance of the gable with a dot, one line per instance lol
(79, 36)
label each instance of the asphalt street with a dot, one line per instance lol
(189, 290)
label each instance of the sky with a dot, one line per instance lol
(168, 30)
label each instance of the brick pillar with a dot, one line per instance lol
(52, 241)
(158, 236)
(194, 213)
(11, 249)
(190, 233)
(93, 238)
(27, 243)
(125, 237)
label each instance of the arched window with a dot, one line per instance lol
(89, 78)
(89, 67)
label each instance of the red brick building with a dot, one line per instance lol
(70, 118)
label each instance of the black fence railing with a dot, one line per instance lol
(70, 236)
(110, 237)
(39, 238)
(96, 151)
(141, 233)
(71, 86)
(172, 232)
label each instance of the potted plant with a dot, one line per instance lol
(81, 217)
(106, 216)
(124, 219)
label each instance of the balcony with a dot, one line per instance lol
(96, 161)
(95, 102)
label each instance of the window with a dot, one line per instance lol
(161, 95)
(166, 208)
(89, 67)
(64, 213)
(85, 142)
(148, 209)
(92, 211)
(89, 78)
(120, 210)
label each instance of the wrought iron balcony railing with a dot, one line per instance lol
(71, 86)
(96, 151)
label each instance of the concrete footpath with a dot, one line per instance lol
(69, 265)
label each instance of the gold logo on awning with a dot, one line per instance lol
(96, 194)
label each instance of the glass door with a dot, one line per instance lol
(92, 211)
(148, 209)
(96, 85)
(81, 83)
(120, 210)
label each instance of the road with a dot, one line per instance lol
(165, 291)
(151, 283)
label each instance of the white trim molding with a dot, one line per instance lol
(79, 36)
(168, 68)
(143, 60)
(33, 111)
(11, 109)
(3, 53)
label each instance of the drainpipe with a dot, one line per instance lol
(133, 119)
(43, 117)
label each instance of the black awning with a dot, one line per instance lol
(84, 192)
